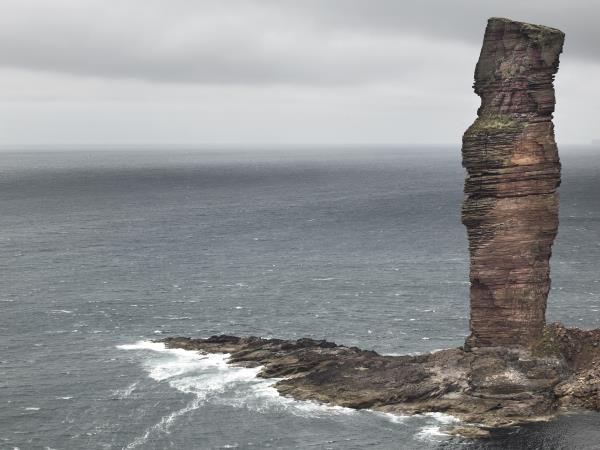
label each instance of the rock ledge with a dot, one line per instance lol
(484, 387)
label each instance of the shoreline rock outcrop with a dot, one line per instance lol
(513, 170)
(485, 387)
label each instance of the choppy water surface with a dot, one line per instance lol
(104, 251)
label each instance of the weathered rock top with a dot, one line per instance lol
(516, 68)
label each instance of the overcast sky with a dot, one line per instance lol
(253, 72)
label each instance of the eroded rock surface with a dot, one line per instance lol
(513, 171)
(489, 387)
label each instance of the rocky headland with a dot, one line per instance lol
(484, 387)
(513, 368)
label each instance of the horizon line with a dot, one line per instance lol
(233, 146)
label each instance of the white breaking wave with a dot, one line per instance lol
(394, 418)
(210, 379)
(124, 393)
(187, 371)
(445, 419)
(435, 433)
(431, 433)
(164, 424)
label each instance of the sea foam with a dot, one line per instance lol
(209, 378)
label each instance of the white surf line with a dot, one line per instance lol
(164, 424)
(210, 378)
(126, 392)
(188, 372)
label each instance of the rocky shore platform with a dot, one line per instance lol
(483, 387)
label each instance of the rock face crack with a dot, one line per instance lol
(513, 171)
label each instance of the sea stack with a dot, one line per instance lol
(513, 369)
(513, 172)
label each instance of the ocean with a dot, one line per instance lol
(104, 251)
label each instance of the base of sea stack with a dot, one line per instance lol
(484, 387)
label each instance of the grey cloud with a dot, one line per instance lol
(459, 19)
(464, 20)
(264, 41)
(250, 72)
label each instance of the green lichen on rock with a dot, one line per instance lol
(548, 40)
(494, 124)
(508, 68)
(530, 27)
(580, 349)
(547, 346)
(542, 29)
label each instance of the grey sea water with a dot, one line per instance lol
(103, 251)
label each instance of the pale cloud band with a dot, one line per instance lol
(370, 71)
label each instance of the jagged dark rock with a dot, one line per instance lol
(487, 386)
(513, 368)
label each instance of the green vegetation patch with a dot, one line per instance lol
(542, 29)
(495, 124)
(547, 345)
(530, 27)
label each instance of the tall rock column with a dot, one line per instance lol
(513, 171)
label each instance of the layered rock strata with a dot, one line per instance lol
(513, 171)
(486, 387)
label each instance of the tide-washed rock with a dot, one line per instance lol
(485, 387)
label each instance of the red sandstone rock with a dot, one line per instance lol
(513, 171)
